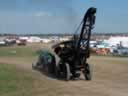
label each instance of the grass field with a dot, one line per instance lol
(110, 76)
(14, 82)
(17, 51)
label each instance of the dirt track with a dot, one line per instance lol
(110, 78)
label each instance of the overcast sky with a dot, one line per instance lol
(61, 16)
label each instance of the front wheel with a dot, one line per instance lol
(34, 65)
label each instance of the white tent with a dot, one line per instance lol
(23, 38)
(34, 39)
(45, 40)
(114, 41)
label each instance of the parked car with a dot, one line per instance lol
(2, 43)
(22, 42)
(120, 51)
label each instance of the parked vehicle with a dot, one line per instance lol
(22, 42)
(120, 51)
(2, 43)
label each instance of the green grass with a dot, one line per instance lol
(14, 82)
(6, 76)
(17, 51)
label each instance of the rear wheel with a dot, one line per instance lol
(87, 72)
(66, 73)
(63, 71)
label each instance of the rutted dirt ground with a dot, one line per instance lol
(110, 78)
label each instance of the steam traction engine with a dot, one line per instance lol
(74, 53)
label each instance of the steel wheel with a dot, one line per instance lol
(34, 65)
(66, 73)
(87, 72)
